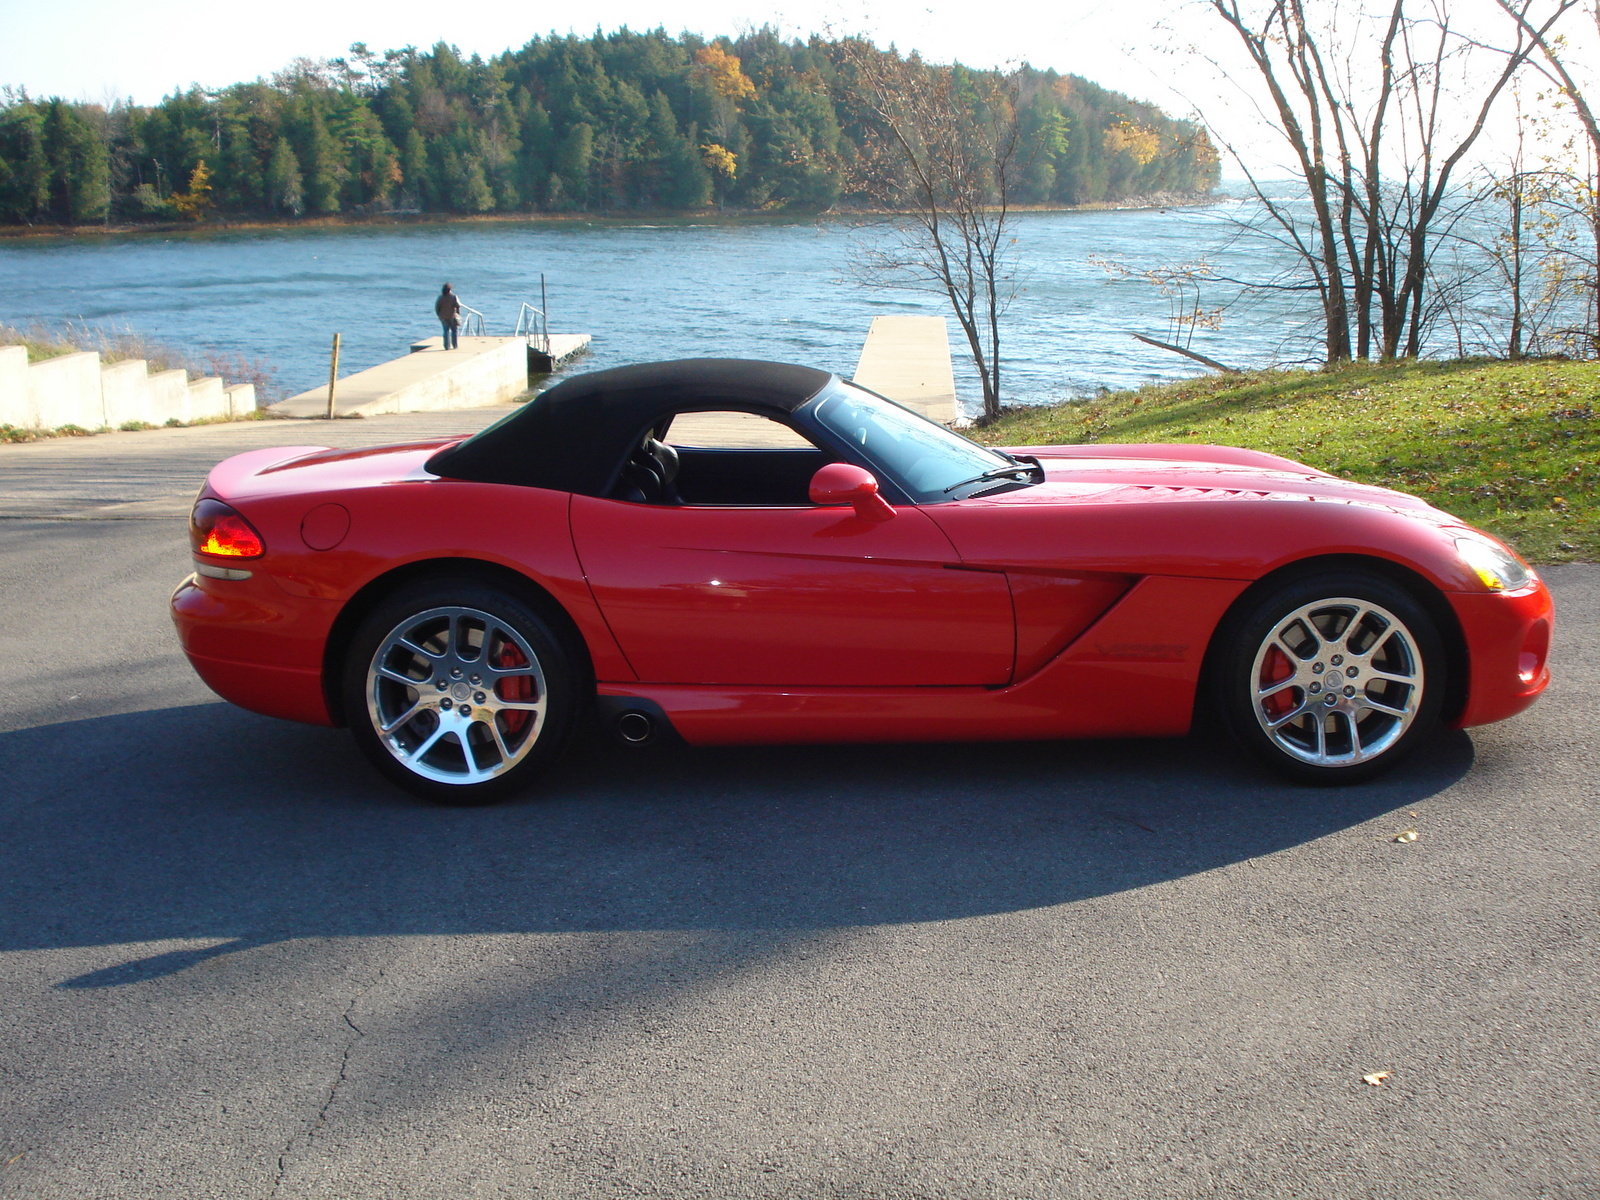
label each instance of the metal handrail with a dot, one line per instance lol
(471, 319)
(533, 325)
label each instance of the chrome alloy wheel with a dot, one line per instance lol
(456, 695)
(1337, 682)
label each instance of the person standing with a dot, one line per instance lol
(448, 309)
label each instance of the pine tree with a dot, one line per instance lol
(678, 177)
(322, 165)
(414, 170)
(473, 194)
(80, 178)
(24, 165)
(538, 153)
(240, 186)
(285, 187)
(1044, 140)
(574, 159)
(373, 162)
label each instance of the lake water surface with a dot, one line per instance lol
(778, 290)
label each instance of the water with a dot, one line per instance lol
(775, 290)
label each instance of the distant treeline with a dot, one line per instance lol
(613, 122)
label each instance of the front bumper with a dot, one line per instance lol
(1507, 638)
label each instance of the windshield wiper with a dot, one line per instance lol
(1017, 467)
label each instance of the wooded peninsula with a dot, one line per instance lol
(613, 123)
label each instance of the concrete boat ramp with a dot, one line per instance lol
(906, 358)
(482, 371)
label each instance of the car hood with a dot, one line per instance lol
(1205, 511)
(1155, 474)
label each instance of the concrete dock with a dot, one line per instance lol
(482, 371)
(560, 349)
(908, 360)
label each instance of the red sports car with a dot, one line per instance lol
(734, 551)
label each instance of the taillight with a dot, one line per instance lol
(214, 528)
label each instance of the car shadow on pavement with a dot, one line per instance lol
(211, 823)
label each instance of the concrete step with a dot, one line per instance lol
(79, 389)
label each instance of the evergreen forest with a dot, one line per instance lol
(613, 123)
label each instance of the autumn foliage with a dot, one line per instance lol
(614, 122)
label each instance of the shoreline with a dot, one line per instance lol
(1159, 200)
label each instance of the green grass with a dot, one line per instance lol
(17, 433)
(39, 347)
(1513, 448)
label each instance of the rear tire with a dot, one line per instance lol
(1331, 678)
(461, 693)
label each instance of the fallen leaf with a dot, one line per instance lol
(1376, 1078)
(1406, 835)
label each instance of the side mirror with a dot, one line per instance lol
(845, 483)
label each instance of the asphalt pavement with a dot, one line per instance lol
(155, 472)
(235, 963)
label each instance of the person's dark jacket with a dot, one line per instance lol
(448, 306)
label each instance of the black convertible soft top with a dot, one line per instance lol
(574, 437)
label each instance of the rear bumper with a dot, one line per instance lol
(1508, 648)
(247, 641)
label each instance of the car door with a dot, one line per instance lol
(791, 596)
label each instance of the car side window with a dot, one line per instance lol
(740, 459)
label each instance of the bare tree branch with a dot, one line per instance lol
(943, 148)
(1377, 185)
(1194, 354)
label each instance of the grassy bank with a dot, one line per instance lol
(1511, 447)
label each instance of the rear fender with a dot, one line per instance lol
(399, 529)
(493, 574)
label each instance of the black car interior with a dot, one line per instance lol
(659, 473)
(650, 474)
(764, 477)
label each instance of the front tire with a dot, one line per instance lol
(461, 693)
(1332, 678)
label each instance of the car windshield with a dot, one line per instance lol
(927, 459)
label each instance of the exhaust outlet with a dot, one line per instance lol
(636, 728)
(634, 721)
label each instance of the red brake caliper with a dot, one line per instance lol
(517, 689)
(1275, 668)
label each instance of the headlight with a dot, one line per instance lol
(1498, 568)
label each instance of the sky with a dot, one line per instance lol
(87, 49)
(100, 50)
